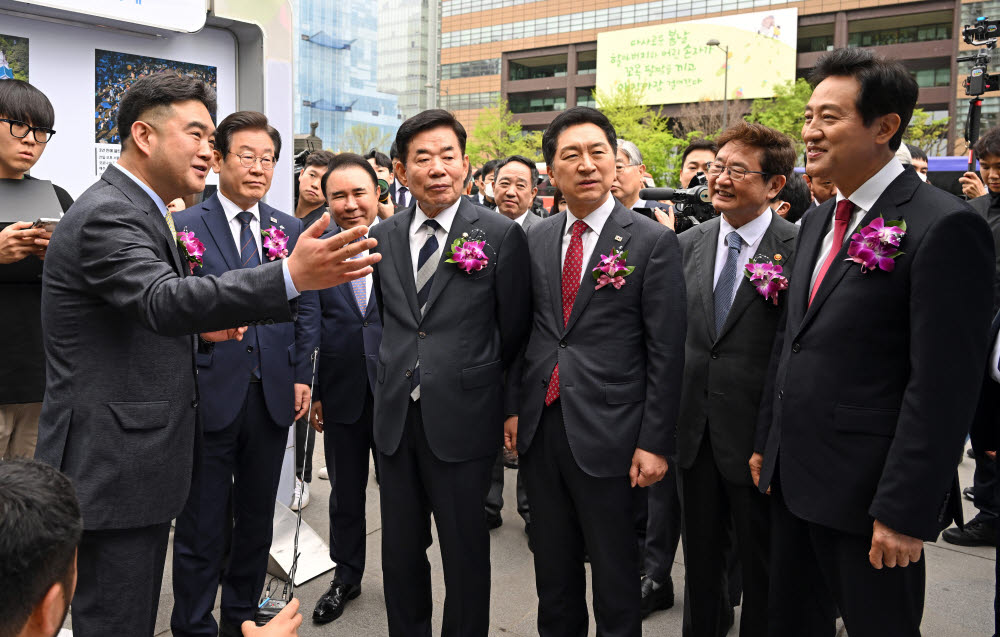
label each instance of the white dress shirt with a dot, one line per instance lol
(863, 199)
(595, 224)
(418, 235)
(751, 232)
(520, 220)
(995, 360)
(236, 226)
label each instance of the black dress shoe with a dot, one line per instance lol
(493, 521)
(969, 494)
(975, 533)
(661, 598)
(331, 605)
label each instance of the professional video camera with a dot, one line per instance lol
(982, 33)
(692, 205)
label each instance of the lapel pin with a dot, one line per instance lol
(465, 235)
(617, 238)
(273, 220)
(777, 257)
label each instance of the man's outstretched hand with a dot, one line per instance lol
(317, 264)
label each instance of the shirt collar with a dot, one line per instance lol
(520, 220)
(594, 220)
(162, 207)
(750, 232)
(232, 209)
(444, 218)
(869, 192)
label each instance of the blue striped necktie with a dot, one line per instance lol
(727, 280)
(249, 255)
(427, 262)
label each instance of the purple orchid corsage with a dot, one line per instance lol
(877, 245)
(275, 242)
(612, 269)
(765, 275)
(469, 255)
(192, 248)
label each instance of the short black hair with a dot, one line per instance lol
(468, 176)
(159, 90)
(393, 150)
(424, 121)
(796, 193)
(381, 159)
(318, 158)
(777, 150)
(886, 85)
(345, 160)
(25, 103)
(521, 159)
(916, 152)
(699, 144)
(572, 117)
(490, 167)
(989, 143)
(477, 174)
(244, 120)
(40, 528)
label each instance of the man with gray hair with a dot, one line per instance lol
(629, 172)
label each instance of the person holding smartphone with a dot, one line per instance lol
(26, 121)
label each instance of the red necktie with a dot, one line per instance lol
(570, 285)
(840, 221)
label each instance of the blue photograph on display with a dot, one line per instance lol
(13, 57)
(114, 73)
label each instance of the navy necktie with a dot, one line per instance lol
(249, 255)
(427, 262)
(727, 280)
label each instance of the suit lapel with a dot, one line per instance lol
(746, 293)
(806, 253)
(142, 200)
(897, 192)
(399, 245)
(218, 227)
(614, 228)
(704, 263)
(463, 224)
(553, 265)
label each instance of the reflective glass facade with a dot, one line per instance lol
(336, 54)
(407, 51)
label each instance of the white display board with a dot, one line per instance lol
(175, 15)
(62, 65)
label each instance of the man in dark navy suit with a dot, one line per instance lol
(350, 331)
(251, 391)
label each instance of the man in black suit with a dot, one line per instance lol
(350, 332)
(730, 334)
(488, 176)
(451, 332)
(399, 194)
(514, 194)
(601, 381)
(25, 130)
(860, 426)
(118, 310)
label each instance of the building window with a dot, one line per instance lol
(901, 35)
(586, 62)
(475, 68)
(539, 102)
(585, 97)
(929, 78)
(538, 67)
(468, 101)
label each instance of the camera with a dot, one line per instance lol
(692, 205)
(983, 33)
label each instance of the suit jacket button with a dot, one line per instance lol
(365, 324)
(250, 349)
(409, 373)
(562, 343)
(422, 334)
(194, 403)
(795, 348)
(715, 354)
(781, 394)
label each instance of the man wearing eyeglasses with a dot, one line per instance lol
(251, 391)
(26, 119)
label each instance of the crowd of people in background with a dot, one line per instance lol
(760, 389)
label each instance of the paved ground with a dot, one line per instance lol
(959, 597)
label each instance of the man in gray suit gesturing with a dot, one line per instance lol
(601, 382)
(118, 312)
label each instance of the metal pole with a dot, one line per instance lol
(725, 91)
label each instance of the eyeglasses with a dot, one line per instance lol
(20, 130)
(247, 160)
(620, 168)
(735, 172)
